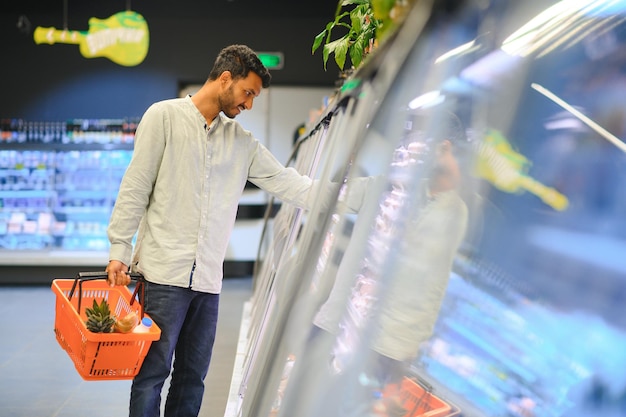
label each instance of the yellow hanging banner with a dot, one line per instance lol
(123, 38)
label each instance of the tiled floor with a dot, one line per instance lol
(38, 379)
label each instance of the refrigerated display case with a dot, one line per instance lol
(59, 182)
(58, 185)
(485, 263)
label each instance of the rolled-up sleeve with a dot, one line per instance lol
(286, 184)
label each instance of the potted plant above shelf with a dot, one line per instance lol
(363, 24)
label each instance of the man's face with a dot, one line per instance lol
(446, 172)
(238, 95)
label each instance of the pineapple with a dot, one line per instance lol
(99, 319)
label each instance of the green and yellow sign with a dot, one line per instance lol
(507, 170)
(123, 38)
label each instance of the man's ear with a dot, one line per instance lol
(225, 77)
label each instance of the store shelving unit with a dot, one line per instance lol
(59, 181)
(58, 185)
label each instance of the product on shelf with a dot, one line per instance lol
(59, 181)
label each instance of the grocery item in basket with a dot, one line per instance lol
(128, 323)
(100, 356)
(99, 318)
(143, 326)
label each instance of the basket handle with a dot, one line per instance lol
(90, 276)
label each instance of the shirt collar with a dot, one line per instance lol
(199, 115)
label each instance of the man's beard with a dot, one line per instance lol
(226, 102)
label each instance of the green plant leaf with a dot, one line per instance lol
(339, 48)
(345, 3)
(318, 41)
(356, 19)
(382, 8)
(363, 24)
(341, 51)
(358, 48)
(338, 21)
(325, 55)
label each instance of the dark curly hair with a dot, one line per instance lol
(239, 60)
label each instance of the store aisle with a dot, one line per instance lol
(38, 379)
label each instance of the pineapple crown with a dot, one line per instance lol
(99, 319)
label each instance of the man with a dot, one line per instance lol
(180, 194)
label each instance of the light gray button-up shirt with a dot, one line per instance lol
(181, 191)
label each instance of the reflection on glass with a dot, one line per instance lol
(502, 294)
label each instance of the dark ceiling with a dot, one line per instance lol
(184, 36)
(175, 8)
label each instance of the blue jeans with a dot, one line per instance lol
(188, 321)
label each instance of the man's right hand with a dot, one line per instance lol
(117, 273)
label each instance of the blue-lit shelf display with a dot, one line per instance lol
(58, 182)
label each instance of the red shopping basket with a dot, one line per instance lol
(100, 356)
(418, 401)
